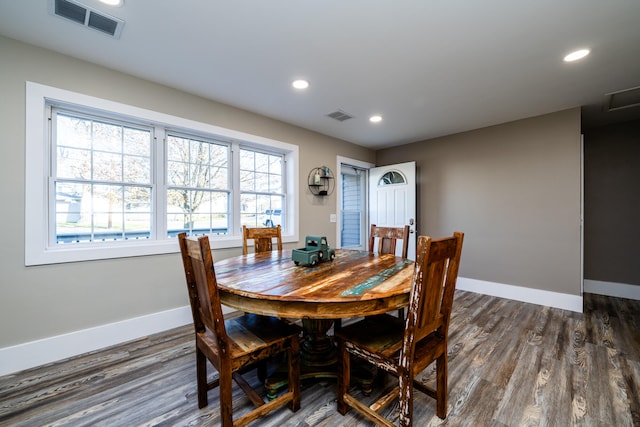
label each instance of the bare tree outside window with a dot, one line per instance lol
(198, 180)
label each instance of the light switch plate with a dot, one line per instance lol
(333, 218)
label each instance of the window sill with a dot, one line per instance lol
(90, 252)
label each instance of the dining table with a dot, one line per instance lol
(352, 285)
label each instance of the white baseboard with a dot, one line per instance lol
(40, 352)
(519, 293)
(620, 290)
(47, 350)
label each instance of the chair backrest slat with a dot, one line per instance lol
(262, 238)
(203, 287)
(387, 239)
(434, 281)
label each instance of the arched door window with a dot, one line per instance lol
(392, 177)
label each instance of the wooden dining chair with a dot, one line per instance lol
(387, 238)
(232, 346)
(405, 348)
(262, 238)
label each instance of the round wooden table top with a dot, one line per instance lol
(356, 283)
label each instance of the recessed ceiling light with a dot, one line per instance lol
(375, 119)
(575, 55)
(112, 2)
(300, 84)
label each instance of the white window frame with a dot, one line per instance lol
(39, 251)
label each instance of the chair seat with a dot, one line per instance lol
(388, 333)
(251, 333)
(386, 343)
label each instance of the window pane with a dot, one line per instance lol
(93, 213)
(275, 165)
(73, 163)
(137, 169)
(73, 131)
(199, 212)
(73, 212)
(247, 181)
(177, 173)
(262, 182)
(247, 161)
(137, 142)
(275, 184)
(133, 226)
(219, 177)
(107, 137)
(392, 177)
(177, 148)
(107, 167)
(262, 210)
(199, 175)
(262, 162)
(248, 210)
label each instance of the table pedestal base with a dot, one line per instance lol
(318, 360)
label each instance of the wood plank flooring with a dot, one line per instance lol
(511, 364)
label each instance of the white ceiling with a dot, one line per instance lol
(429, 67)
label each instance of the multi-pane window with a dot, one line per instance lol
(104, 187)
(198, 185)
(123, 180)
(102, 179)
(262, 188)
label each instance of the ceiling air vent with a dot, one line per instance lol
(622, 99)
(340, 116)
(87, 16)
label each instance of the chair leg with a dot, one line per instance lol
(226, 396)
(344, 376)
(262, 370)
(294, 374)
(201, 378)
(441, 386)
(406, 400)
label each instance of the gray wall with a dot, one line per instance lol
(612, 203)
(44, 301)
(514, 189)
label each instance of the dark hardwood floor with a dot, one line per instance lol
(511, 364)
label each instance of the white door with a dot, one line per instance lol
(392, 199)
